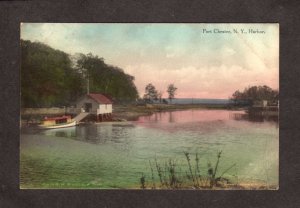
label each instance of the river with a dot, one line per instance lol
(115, 155)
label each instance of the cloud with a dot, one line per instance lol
(213, 82)
(200, 65)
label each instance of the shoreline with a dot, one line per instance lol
(131, 112)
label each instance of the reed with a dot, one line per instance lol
(159, 172)
(143, 180)
(171, 176)
(190, 168)
(152, 175)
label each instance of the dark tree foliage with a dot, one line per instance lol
(256, 93)
(171, 91)
(107, 79)
(150, 93)
(48, 77)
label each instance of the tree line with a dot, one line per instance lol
(255, 93)
(51, 77)
(151, 94)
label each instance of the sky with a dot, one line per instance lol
(199, 59)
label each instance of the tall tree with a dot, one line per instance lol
(107, 79)
(171, 91)
(51, 77)
(159, 96)
(47, 77)
(88, 65)
(150, 93)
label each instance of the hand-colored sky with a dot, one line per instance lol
(201, 65)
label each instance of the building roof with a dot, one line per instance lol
(100, 98)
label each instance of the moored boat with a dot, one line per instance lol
(57, 122)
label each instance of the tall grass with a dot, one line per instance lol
(169, 175)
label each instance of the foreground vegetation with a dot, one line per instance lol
(171, 176)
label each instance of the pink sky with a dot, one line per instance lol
(200, 64)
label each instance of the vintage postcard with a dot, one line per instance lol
(149, 106)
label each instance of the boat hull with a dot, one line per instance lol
(65, 125)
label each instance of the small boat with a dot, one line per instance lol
(57, 122)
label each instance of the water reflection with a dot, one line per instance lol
(171, 117)
(201, 121)
(254, 118)
(116, 153)
(204, 115)
(185, 116)
(63, 132)
(93, 133)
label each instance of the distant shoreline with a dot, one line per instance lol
(123, 112)
(196, 101)
(132, 112)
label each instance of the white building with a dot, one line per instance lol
(97, 104)
(260, 103)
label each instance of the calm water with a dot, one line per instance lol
(114, 155)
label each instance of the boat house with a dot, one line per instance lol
(260, 103)
(96, 104)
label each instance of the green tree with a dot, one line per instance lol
(107, 79)
(237, 96)
(51, 77)
(171, 92)
(159, 96)
(47, 77)
(89, 66)
(255, 93)
(150, 93)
